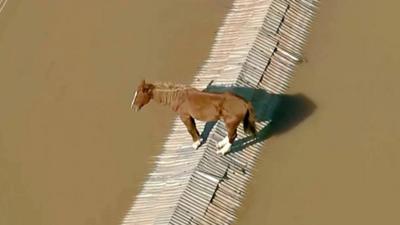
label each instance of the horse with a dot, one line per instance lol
(191, 104)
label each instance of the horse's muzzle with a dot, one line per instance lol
(135, 108)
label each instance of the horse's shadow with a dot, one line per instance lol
(284, 112)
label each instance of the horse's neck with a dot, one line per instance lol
(166, 96)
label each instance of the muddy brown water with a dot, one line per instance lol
(339, 163)
(71, 152)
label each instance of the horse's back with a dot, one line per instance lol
(201, 105)
(234, 104)
(209, 106)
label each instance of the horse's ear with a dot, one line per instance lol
(143, 82)
(148, 87)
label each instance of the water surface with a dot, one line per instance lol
(341, 164)
(71, 151)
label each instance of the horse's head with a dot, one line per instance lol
(142, 95)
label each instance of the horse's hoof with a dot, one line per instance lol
(225, 149)
(222, 143)
(221, 153)
(197, 144)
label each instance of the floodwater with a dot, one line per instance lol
(341, 163)
(71, 151)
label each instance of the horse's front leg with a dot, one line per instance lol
(226, 143)
(191, 127)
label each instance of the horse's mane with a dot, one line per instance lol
(167, 92)
(169, 86)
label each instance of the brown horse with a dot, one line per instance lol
(192, 104)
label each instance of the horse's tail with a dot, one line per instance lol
(249, 120)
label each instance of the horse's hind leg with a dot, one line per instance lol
(191, 127)
(227, 142)
(223, 142)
